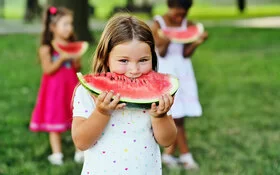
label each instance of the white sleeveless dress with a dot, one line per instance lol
(127, 145)
(186, 102)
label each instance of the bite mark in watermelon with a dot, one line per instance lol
(73, 49)
(191, 34)
(146, 89)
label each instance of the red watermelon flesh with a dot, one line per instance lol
(77, 48)
(191, 34)
(145, 89)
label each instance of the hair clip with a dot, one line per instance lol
(52, 10)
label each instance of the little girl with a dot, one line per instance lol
(118, 139)
(53, 112)
(175, 59)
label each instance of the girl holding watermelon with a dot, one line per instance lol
(175, 58)
(118, 139)
(52, 112)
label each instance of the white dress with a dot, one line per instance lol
(127, 145)
(186, 102)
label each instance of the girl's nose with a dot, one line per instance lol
(134, 69)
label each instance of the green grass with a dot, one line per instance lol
(238, 78)
(200, 10)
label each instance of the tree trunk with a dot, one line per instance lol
(32, 10)
(2, 6)
(81, 16)
(241, 5)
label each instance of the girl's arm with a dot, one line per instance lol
(161, 42)
(164, 127)
(77, 64)
(165, 130)
(49, 66)
(85, 132)
(190, 48)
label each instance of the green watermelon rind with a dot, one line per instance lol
(173, 80)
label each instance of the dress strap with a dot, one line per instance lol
(160, 20)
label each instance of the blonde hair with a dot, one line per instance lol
(119, 29)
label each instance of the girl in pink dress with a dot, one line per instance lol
(52, 112)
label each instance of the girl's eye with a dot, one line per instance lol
(123, 61)
(143, 60)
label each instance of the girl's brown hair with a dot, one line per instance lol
(119, 29)
(52, 15)
(185, 4)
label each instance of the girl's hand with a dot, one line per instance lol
(202, 38)
(165, 103)
(76, 57)
(65, 57)
(105, 104)
(165, 39)
(77, 64)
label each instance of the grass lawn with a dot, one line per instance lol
(238, 78)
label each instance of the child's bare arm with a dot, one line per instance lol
(48, 66)
(189, 49)
(164, 127)
(77, 64)
(161, 42)
(165, 130)
(85, 132)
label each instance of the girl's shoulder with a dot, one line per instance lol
(155, 25)
(79, 89)
(158, 21)
(82, 93)
(82, 102)
(45, 49)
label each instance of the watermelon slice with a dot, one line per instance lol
(73, 49)
(191, 34)
(145, 89)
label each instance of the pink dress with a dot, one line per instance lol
(53, 112)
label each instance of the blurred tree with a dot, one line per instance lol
(2, 6)
(241, 5)
(144, 6)
(132, 7)
(32, 10)
(81, 16)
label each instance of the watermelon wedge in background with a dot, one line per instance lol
(145, 89)
(191, 34)
(73, 49)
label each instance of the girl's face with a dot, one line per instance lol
(177, 15)
(132, 58)
(63, 27)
